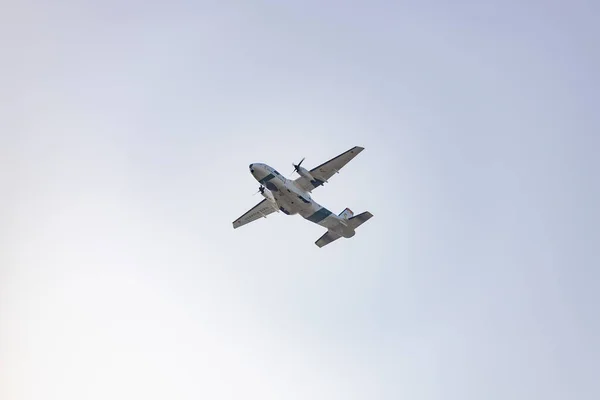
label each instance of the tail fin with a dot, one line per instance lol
(359, 219)
(346, 214)
(353, 221)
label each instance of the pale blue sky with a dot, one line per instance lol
(126, 131)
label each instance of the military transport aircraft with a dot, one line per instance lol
(293, 197)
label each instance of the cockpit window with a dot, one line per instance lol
(275, 172)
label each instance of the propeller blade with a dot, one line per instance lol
(297, 167)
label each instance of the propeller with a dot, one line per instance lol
(261, 190)
(297, 167)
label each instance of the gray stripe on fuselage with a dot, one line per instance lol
(266, 178)
(319, 215)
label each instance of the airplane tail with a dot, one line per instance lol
(347, 213)
(354, 221)
(359, 219)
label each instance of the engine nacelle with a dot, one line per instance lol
(303, 172)
(266, 193)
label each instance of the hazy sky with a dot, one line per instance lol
(126, 132)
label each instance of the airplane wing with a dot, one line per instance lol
(260, 210)
(323, 172)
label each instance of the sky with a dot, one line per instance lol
(126, 130)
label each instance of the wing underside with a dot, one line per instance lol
(323, 172)
(261, 210)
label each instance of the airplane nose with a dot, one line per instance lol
(250, 166)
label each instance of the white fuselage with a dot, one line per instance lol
(288, 198)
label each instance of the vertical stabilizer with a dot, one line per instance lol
(347, 213)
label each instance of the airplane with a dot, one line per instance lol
(293, 197)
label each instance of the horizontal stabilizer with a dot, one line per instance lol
(359, 219)
(327, 238)
(353, 222)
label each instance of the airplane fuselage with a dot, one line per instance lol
(290, 199)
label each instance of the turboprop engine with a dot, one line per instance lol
(303, 172)
(266, 193)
